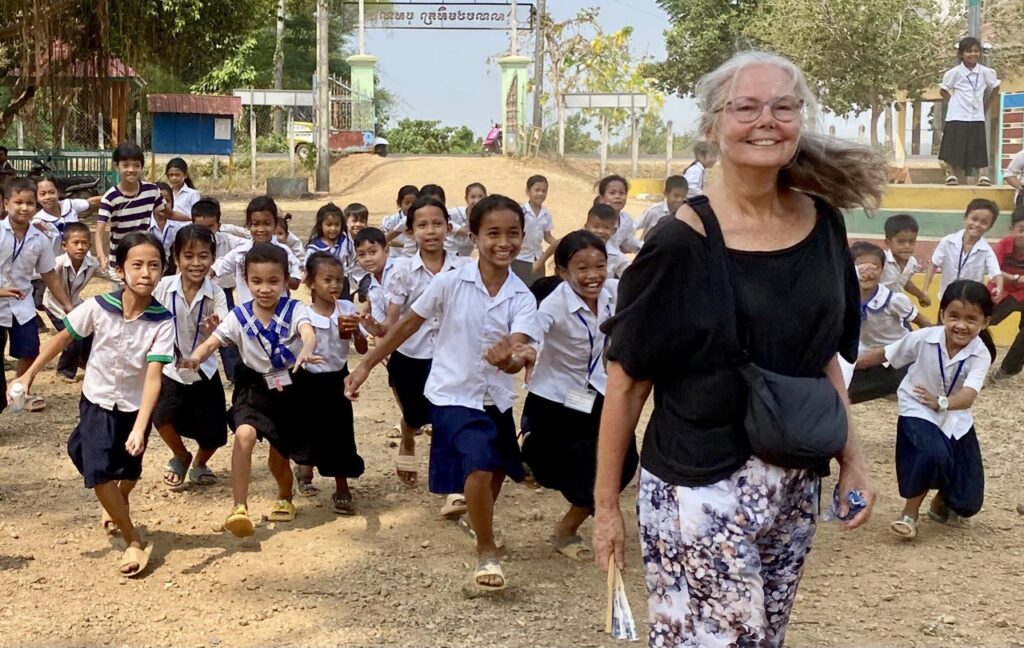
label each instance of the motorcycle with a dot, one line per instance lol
(69, 187)
(492, 143)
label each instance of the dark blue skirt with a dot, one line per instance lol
(466, 440)
(927, 459)
(97, 445)
(408, 377)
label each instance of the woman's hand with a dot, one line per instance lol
(853, 476)
(609, 537)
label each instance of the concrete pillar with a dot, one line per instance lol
(513, 74)
(362, 69)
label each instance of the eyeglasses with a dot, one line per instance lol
(748, 109)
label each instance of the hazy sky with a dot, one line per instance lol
(445, 75)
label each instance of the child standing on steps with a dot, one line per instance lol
(936, 444)
(963, 145)
(133, 340)
(275, 339)
(966, 254)
(192, 401)
(485, 321)
(562, 413)
(331, 427)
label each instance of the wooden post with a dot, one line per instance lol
(915, 132)
(669, 145)
(99, 130)
(138, 128)
(63, 138)
(604, 143)
(252, 144)
(216, 168)
(21, 133)
(322, 101)
(291, 144)
(152, 166)
(634, 145)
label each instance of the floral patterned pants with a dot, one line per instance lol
(723, 562)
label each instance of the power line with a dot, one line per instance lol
(637, 9)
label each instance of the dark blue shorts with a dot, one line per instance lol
(927, 459)
(466, 440)
(97, 445)
(408, 377)
(24, 338)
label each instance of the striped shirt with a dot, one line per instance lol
(127, 214)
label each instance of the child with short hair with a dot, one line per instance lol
(886, 316)
(967, 251)
(395, 227)
(538, 230)
(613, 190)
(164, 227)
(126, 207)
(357, 218)
(936, 443)
(705, 155)
(603, 222)
(1010, 252)
(460, 241)
(333, 443)
(963, 136)
(275, 339)
(75, 268)
(483, 313)
(562, 413)
(24, 251)
(373, 258)
(675, 195)
(206, 212)
(900, 264)
(133, 340)
(261, 217)
(410, 363)
(192, 401)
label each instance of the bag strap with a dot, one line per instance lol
(720, 257)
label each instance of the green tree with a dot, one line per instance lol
(577, 136)
(426, 136)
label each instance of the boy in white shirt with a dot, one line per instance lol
(675, 192)
(705, 157)
(538, 230)
(900, 263)
(963, 137)
(75, 268)
(966, 254)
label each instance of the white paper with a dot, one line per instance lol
(623, 626)
(221, 128)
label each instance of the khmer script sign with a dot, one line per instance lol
(446, 15)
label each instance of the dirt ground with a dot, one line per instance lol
(394, 575)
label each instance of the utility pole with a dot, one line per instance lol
(323, 101)
(974, 18)
(279, 63)
(538, 66)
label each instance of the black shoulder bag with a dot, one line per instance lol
(792, 422)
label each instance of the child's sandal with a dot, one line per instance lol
(238, 523)
(343, 505)
(904, 527)
(282, 511)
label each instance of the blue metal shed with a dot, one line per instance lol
(193, 124)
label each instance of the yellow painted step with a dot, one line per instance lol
(922, 197)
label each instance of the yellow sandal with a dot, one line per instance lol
(238, 523)
(282, 511)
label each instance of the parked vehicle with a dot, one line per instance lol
(492, 143)
(80, 186)
(340, 141)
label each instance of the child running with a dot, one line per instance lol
(275, 339)
(126, 207)
(395, 226)
(329, 234)
(966, 254)
(409, 365)
(59, 212)
(329, 420)
(460, 241)
(885, 318)
(75, 268)
(357, 218)
(675, 196)
(133, 340)
(900, 262)
(704, 157)
(538, 230)
(372, 255)
(936, 444)
(563, 409)
(613, 191)
(183, 190)
(486, 316)
(192, 401)
(163, 226)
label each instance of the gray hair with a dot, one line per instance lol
(844, 173)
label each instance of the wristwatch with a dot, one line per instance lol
(1016, 277)
(943, 403)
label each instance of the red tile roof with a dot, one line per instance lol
(194, 104)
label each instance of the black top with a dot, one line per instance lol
(796, 309)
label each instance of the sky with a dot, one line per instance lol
(446, 75)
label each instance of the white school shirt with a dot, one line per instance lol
(233, 263)
(375, 292)
(694, 175)
(537, 225)
(885, 318)
(72, 280)
(967, 91)
(572, 344)
(184, 199)
(408, 280)
(329, 344)
(70, 209)
(976, 264)
(167, 234)
(1016, 169)
(47, 224)
(121, 349)
(471, 321)
(253, 348)
(185, 317)
(923, 348)
(458, 240)
(19, 260)
(342, 251)
(617, 263)
(396, 222)
(225, 243)
(893, 277)
(652, 216)
(623, 240)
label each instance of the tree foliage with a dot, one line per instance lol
(426, 136)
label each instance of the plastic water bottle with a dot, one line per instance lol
(17, 398)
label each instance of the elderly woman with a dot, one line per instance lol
(725, 533)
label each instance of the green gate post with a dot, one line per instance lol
(513, 71)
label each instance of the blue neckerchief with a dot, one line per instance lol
(335, 250)
(865, 309)
(280, 355)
